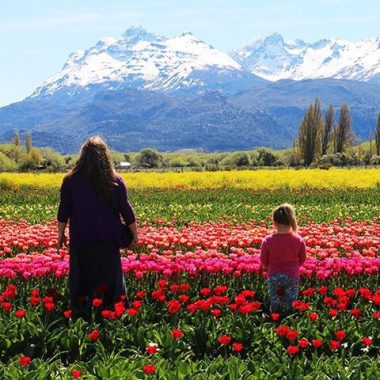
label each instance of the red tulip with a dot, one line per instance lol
(20, 313)
(224, 340)
(237, 347)
(94, 335)
(76, 374)
(97, 302)
(317, 343)
(367, 341)
(149, 369)
(24, 360)
(177, 334)
(334, 345)
(292, 350)
(151, 348)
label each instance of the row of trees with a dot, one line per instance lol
(321, 141)
(24, 156)
(319, 135)
(150, 158)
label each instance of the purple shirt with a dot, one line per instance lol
(283, 253)
(91, 221)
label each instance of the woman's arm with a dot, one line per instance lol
(64, 212)
(133, 228)
(61, 234)
(126, 210)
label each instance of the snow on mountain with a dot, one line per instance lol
(142, 58)
(273, 58)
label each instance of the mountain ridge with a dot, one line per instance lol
(274, 58)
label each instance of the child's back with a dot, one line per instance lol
(283, 253)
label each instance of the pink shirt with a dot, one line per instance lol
(283, 253)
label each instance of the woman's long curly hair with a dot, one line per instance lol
(95, 164)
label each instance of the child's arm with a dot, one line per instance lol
(264, 254)
(302, 254)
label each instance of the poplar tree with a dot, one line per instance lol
(344, 136)
(311, 127)
(17, 139)
(28, 143)
(377, 136)
(329, 126)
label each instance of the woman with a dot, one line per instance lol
(93, 197)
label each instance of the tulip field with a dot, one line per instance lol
(198, 305)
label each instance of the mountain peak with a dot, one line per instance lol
(274, 38)
(138, 33)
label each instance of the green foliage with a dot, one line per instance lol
(344, 136)
(375, 160)
(377, 136)
(31, 160)
(51, 160)
(328, 128)
(338, 159)
(28, 143)
(310, 132)
(6, 164)
(37, 205)
(17, 139)
(148, 158)
(175, 161)
(117, 157)
(266, 158)
(236, 159)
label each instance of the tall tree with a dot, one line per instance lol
(35, 156)
(311, 127)
(28, 142)
(377, 135)
(329, 126)
(344, 136)
(17, 140)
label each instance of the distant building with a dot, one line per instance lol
(124, 165)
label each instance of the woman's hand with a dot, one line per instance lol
(61, 234)
(135, 238)
(61, 240)
(133, 229)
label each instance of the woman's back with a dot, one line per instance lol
(92, 220)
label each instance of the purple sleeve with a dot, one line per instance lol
(302, 254)
(65, 204)
(264, 257)
(125, 207)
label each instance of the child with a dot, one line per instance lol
(282, 254)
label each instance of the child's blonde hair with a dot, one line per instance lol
(285, 215)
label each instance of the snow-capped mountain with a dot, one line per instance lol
(175, 93)
(144, 60)
(273, 58)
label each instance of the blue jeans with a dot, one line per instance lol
(291, 288)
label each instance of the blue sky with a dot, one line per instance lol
(36, 36)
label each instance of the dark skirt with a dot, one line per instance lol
(95, 272)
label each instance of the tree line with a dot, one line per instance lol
(322, 139)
